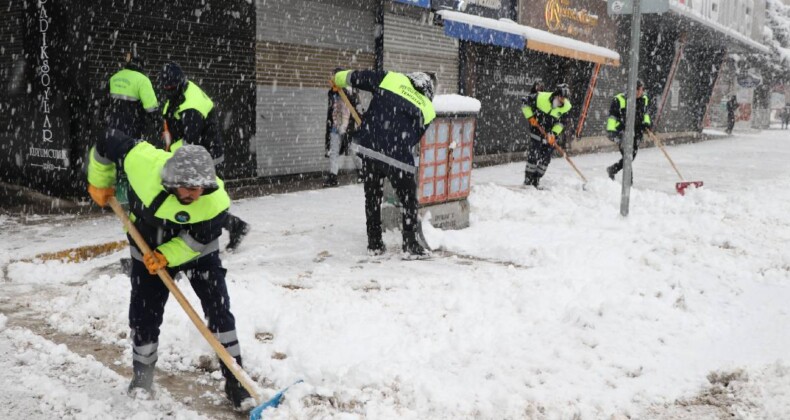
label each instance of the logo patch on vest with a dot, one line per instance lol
(182, 217)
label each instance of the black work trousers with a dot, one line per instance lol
(149, 295)
(405, 187)
(618, 166)
(538, 158)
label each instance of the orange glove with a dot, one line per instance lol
(154, 261)
(533, 121)
(101, 195)
(551, 139)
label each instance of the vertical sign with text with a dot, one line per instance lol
(47, 149)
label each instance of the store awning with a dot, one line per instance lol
(740, 38)
(483, 35)
(506, 33)
(419, 3)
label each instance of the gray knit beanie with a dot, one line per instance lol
(423, 82)
(190, 166)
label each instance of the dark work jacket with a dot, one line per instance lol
(131, 117)
(113, 147)
(391, 125)
(192, 127)
(642, 119)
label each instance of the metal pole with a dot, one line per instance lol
(630, 113)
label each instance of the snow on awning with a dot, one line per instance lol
(686, 12)
(419, 3)
(482, 35)
(506, 33)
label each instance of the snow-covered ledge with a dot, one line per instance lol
(455, 104)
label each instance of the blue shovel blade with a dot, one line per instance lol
(273, 402)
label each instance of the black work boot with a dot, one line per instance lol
(415, 249)
(237, 230)
(330, 181)
(536, 182)
(237, 395)
(376, 247)
(142, 377)
(527, 179)
(412, 246)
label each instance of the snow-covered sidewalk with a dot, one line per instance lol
(595, 316)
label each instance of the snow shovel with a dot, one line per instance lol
(681, 186)
(223, 354)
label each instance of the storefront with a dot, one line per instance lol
(59, 59)
(299, 43)
(267, 64)
(685, 56)
(502, 59)
(412, 42)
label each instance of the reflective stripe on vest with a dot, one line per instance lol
(131, 85)
(355, 148)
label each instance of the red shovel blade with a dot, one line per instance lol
(680, 187)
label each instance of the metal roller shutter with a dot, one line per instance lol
(298, 44)
(415, 44)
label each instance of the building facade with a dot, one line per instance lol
(267, 64)
(61, 54)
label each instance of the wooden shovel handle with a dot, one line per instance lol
(223, 354)
(558, 148)
(567, 158)
(661, 146)
(347, 102)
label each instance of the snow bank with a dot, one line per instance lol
(556, 308)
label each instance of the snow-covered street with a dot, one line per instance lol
(555, 308)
